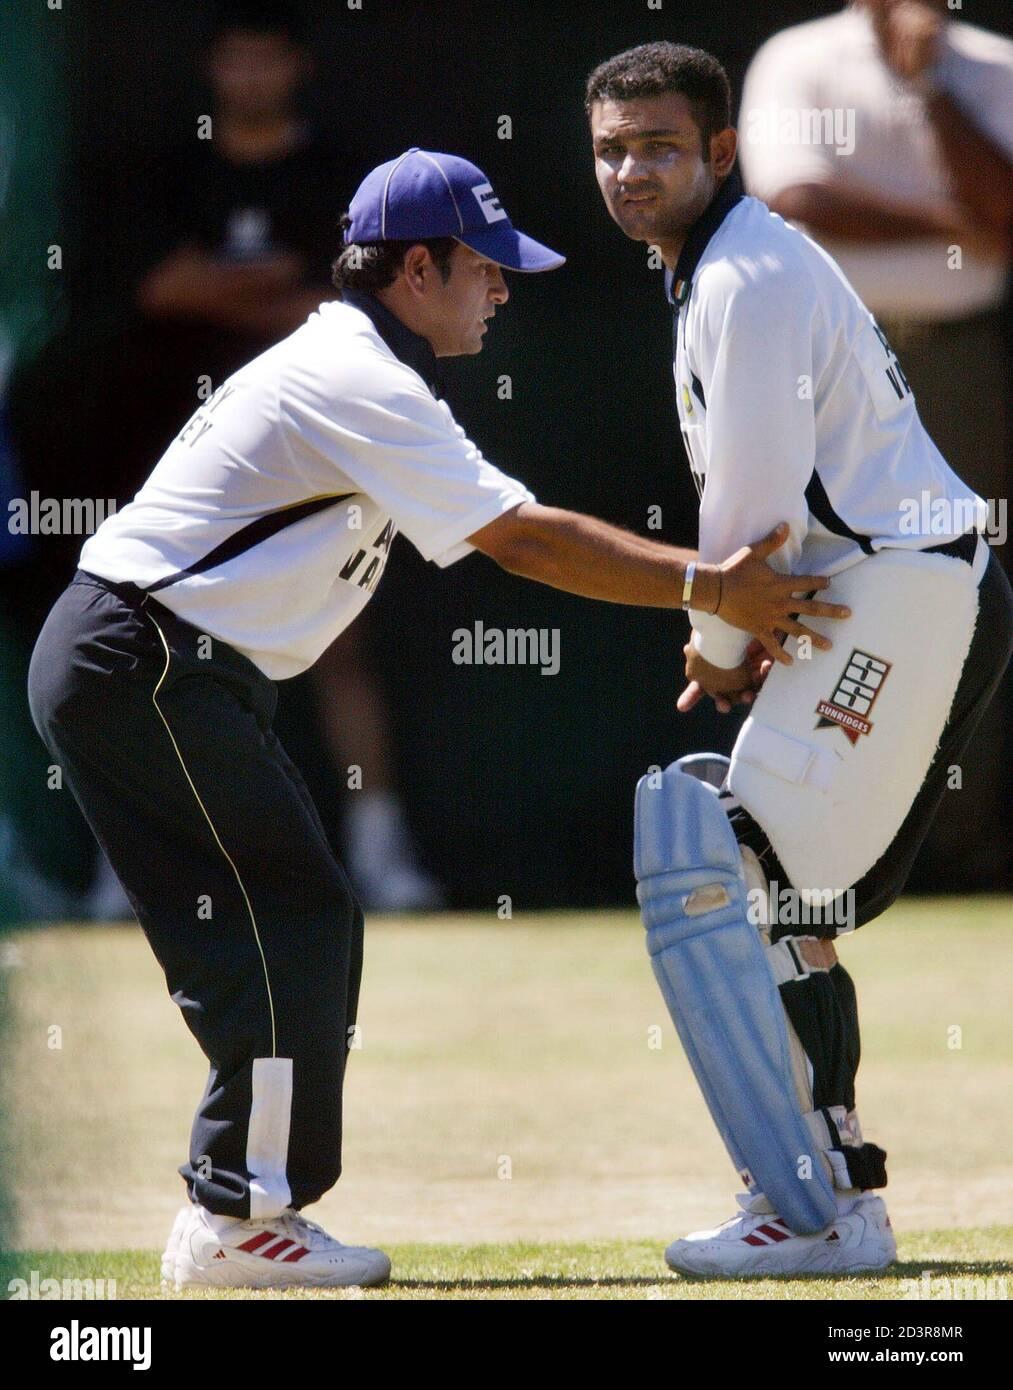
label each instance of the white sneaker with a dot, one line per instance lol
(755, 1243)
(286, 1252)
(172, 1247)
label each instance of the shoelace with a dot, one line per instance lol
(746, 1220)
(305, 1230)
(749, 1219)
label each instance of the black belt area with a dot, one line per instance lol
(129, 593)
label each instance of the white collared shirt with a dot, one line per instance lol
(794, 408)
(268, 521)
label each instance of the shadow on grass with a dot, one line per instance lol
(13, 1264)
(900, 1269)
(938, 1269)
(533, 1281)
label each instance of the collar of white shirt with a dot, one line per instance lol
(408, 347)
(678, 282)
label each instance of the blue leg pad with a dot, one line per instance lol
(709, 962)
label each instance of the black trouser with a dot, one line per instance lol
(822, 1008)
(164, 737)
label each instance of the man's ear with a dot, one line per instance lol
(723, 147)
(417, 268)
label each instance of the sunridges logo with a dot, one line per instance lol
(489, 203)
(855, 695)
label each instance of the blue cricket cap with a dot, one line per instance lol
(422, 194)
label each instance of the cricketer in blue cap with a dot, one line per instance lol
(423, 194)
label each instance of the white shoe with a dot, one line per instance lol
(755, 1243)
(172, 1247)
(286, 1252)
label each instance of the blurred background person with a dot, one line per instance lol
(234, 230)
(356, 725)
(913, 196)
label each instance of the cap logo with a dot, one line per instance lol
(488, 202)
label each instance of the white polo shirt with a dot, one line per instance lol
(794, 408)
(834, 66)
(268, 521)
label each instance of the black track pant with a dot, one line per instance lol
(164, 737)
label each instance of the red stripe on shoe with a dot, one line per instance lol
(774, 1233)
(754, 1240)
(255, 1242)
(275, 1250)
(296, 1254)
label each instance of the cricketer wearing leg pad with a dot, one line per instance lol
(720, 990)
(808, 762)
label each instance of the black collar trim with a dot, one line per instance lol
(408, 347)
(679, 282)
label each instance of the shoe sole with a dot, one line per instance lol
(860, 1265)
(191, 1276)
(196, 1281)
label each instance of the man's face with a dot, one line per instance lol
(653, 174)
(255, 75)
(458, 309)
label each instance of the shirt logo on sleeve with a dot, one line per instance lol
(854, 696)
(364, 567)
(894, 375)
(200, 422)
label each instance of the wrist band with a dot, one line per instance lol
(687, 583)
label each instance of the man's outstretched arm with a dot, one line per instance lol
(585, 556)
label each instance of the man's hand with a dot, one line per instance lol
(759, 600)
(727, 687)
(194, 285)
(912, 39)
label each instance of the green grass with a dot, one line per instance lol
(587, 1270)
(520, 1120)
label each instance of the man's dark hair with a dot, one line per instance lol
(374, 265)
(653, 69)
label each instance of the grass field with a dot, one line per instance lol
(581, 1270)
(512, 1128)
